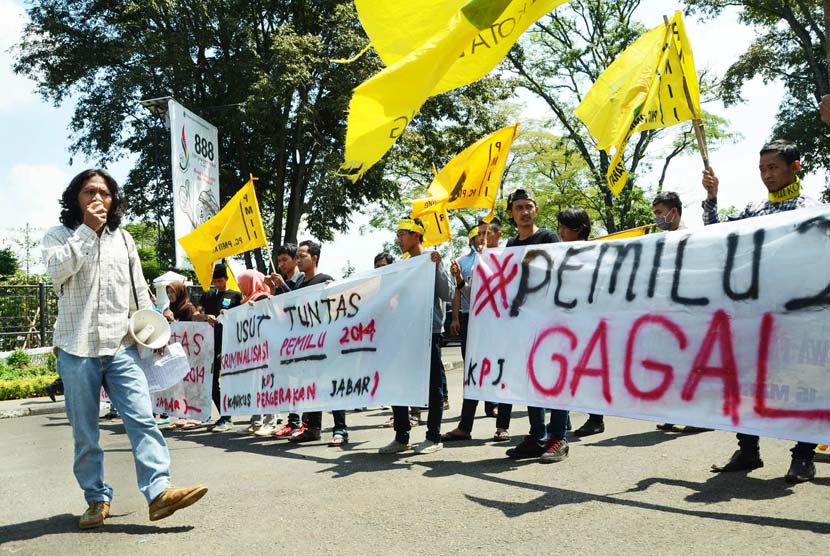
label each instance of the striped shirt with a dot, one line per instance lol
(756, 208)
(91, 277)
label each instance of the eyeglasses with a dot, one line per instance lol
(92, 192)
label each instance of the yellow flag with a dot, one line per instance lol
(472, 178)
(652, 84)
(398, 28)
(231, 284)
(235, 229)
(428, 64)
(436, 226)
(633, 232)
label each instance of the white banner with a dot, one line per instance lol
(726, 327)
(194, 156)
(190, 398)
(360, 342)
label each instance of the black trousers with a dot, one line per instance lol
(751, 443)
(435, 413)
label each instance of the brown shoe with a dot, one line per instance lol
(95, 515)
(175, 498)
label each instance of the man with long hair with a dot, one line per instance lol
(94, 267)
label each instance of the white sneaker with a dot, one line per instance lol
(428, 447)
(394, 447)
(253, 427)
(265, 430)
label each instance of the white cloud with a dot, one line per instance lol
(31, 194)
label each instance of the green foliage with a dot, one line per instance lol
(8, 262)
(12, 372)
(147, 239)
(30, 387)
(19, 359)
(789, 47)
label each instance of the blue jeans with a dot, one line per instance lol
(126, 385)
(557, 428)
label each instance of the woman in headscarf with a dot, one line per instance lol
(253, 286)
(181, 308)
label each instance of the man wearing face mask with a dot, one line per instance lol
(668, 211)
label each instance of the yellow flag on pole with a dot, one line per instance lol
(472, 178)
(436, 226)
(652, 84)
(235, 229)
(429, 47)
(398, 28)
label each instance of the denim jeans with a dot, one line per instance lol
(556, 428)
(126, 385)
(314, 420)
(436, 401)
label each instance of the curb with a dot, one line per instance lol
(29, 411)
(59, 407)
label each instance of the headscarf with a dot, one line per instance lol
(252, 284)
(182, 309)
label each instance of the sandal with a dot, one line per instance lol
(192, 424)
(501, 435)
(389, 424)
(415, 421)
(177, 424)
(455, 435)
(338, 439)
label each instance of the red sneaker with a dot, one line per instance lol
(284, 432)
(298, 431)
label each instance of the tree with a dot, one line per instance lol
(145, 235)
(558, 62)
(790, 48)
(262, 72)
(26, 243)
(8, 262)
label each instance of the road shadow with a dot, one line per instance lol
(638, 440)
(704, 493)
(724, 487)
(68, 523)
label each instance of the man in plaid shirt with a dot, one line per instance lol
(779, 166)
(94, 267)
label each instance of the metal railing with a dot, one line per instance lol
(27, 316)
(28, 313)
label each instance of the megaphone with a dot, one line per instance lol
(150, 330)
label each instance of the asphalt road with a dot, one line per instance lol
(631, 490)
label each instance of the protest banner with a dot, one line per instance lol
(190, 398)
(359, 342)
(194, 157)
(726, 327)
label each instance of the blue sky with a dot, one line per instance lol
(34, 166)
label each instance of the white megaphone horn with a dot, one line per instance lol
(150, 330)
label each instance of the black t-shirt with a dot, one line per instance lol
(214, 301)
(542, 235)
(318, 279)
